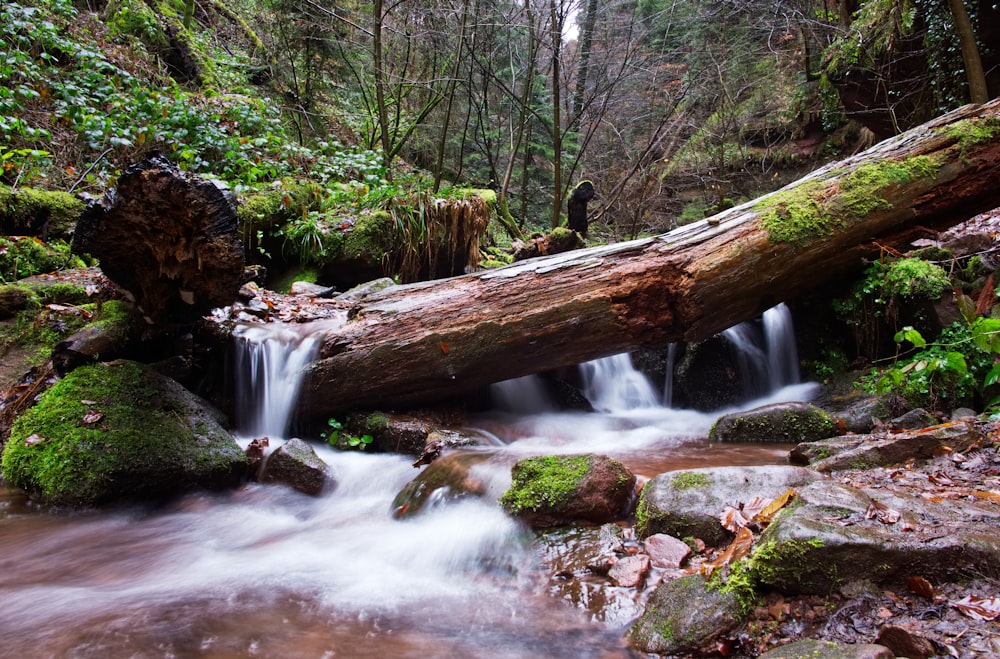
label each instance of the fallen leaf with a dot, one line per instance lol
(986, 495)
(733, 519)
(752, 509)
(920, 586)
(979, 608)
(444, 347)
(92, 416)
(882, 512)
(942, 450)
(940, 478)
(768, 512)
(33, 438)
(88, 402)
(737, 549)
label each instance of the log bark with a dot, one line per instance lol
(167, 239)
(422, 342)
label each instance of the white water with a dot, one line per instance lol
(266, 571)
(766, 356)
(270, 359)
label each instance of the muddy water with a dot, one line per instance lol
(265, 571)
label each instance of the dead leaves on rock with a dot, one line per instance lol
(741, 519)
(973, 606)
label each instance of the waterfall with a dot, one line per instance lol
(613, 384)
(668, 381)
(766, 356)
(782, 357)
(269, 365)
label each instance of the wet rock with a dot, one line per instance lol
(309, 289)
(12, 300)
(867, 451)
(706, 379)
(863, 415)
(630, 571)
(452, 477)
(837, 534)
(812, 649)
(295, 463)
(914, 420)
(579, 551)
(563, 489)
(688, 503)
(401, 433)
(781, 422)
(666, 551)
(904, 643)
(684, 615)
(119, 430)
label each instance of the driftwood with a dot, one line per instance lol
(422, 342)
(167, 239)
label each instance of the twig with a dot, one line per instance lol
(89, 169)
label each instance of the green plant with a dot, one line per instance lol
(336, 438)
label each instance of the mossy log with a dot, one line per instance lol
(421, 342)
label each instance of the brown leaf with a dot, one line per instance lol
(768, 512)
(92, 416)
(754, 506)
(33, 438)
(732, 519)
(986, 495)
(940, 478)
(444, 347)
(737, 549)
(882, 512)
(920, 586)
(979, 608)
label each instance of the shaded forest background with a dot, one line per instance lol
(322, 114)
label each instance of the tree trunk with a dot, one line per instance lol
(413, 344)
(168, 239)
(978, 92)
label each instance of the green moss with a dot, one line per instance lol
(63, 456)
(768, 564)
(816, 208)
(25, 256)
(27, 211)
(544, 482)
(970, 132)
(687, 480)
(372, 238)
(376, 422)
(915, 279)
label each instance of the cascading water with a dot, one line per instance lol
(782, 357)
(668, 382)
(766, 356)
(612, 384)
(524, 395)
(270, 360)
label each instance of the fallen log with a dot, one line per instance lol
(422, 342)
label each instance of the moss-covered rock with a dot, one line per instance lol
(687, 503)
(562, 489)
(29, 212)
(810, 648)
(684, 615)
(781, 422)
(119, 430)
(449, 478)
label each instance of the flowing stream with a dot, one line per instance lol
(265, 571)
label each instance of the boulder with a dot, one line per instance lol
(115, 431)
(564, 489)
(295, 463)
(867, 451)
(630, 571)
(684, 615)
(689, 502)
(781, 422)
(810, 648)
(837, 534)
(666, 551)
(451, 477)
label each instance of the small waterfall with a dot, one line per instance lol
(751, 358)
(612, 384)
(524, 395)
(782, 357)
(269, 364)
(766, 356)
(668, 382)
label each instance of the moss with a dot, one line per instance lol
(64, 456)
(913, 278)
(687, 480)
(372, 239)
(376, 422)
(816, 208)
(38, 212)
(25, 256)
(970, 132)
(770, 563)
(544, 482)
